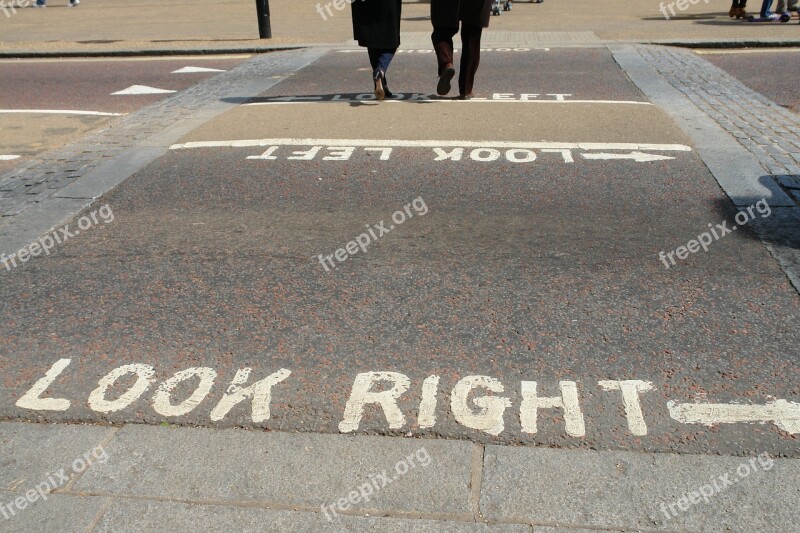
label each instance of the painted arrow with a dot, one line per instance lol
(193, 70)
(784, 414)
(639, 157)
(294, 98)
(141, 89)
(8, 157)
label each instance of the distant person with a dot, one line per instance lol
(786, 6)
(41, 3)
(376, 26)
(445, 17)
(737, 9)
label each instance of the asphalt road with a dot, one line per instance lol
(511, 290)
(58, 88)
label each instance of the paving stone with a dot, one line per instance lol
(156, 517)
(62, 513)
(32, 452)
(284, 469)
(618, 490)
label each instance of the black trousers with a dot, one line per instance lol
(442, 39)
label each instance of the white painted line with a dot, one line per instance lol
(369, 97)
(126, 59)
(193, 70)
(62, 112)
(784, 414)
(8, 157)
(141, 89)
(639, 157)
(400, 143)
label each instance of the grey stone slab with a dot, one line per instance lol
(59, 512)
(38, 220)
(110, 173)
(32, 452)
(156, 517)
(620, 490)
(284, 469)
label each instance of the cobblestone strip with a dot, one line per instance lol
(43, 177)
(766, 130)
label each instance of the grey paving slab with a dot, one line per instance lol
(630, 490)
(63, 513)
(150, 516)
(285, 469)
(31, 453)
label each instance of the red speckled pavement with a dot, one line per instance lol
(522, 268)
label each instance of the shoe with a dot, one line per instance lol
(733, 11)
(74, 3)
(443, 87)
(466, 96)
(386, 92)
(741, 13)
(377, 76)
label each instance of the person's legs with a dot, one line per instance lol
(470, 57)
(442, 39)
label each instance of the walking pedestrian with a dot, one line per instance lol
(737, 9)
(376, 26)
(445, 17)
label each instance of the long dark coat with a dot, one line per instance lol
(447, 13)
(376, 23)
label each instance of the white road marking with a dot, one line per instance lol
(141, 89)
(362, 395)
(33, 400)
(456, 50)
(568, 402)
(260, 392)
(631, 389)
(193, 70)
(489, 415)
(144, 378)
(403, 143)
(477, 402)
(8, 157)
(126, 59)
(635, 156)
(161, 401)
(539, 98)
(61, 112)
(427, 405)
(784, 414)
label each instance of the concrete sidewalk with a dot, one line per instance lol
(145, 478)
(206, 26)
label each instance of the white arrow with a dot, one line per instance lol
(8, 157)
(141, 89)
(639, 157)
(784, 414)
(192, 70)
(294, 98)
